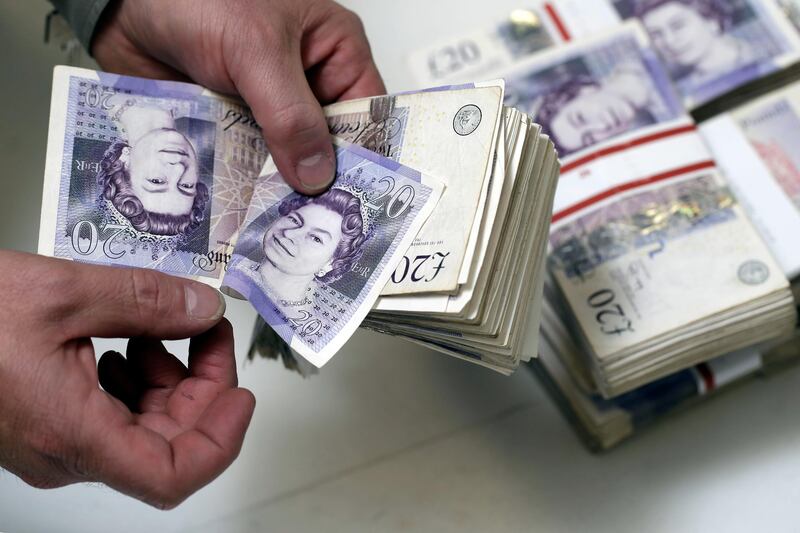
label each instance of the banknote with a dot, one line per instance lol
(313, 267)
(710, 47)
(755, 145)
(471, 56)
(631, 270)
(773, 128)
(146, 173)
(477, 50)
(594, 90)
(604, 423)
(450, 134)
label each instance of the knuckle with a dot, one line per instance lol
(149, 295)
(352, 20)
(346, 22)
(297, 122)
(60, 281)
(249, 42)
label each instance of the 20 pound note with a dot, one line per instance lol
(314, 266)
(146, 173)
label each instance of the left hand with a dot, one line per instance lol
(160, 431)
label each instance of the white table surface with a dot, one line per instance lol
(391, 437)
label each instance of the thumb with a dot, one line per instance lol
(275, 87)
(131, 302)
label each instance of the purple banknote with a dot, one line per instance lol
(146, 173)
(313, 267)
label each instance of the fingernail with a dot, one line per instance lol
(203, 303)
(315, 172)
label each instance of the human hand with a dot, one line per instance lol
(161, 431)
(283, 57)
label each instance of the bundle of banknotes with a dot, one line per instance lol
(674, 243)
(436, 224)
(603, 423)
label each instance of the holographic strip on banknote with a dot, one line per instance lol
(648, 220)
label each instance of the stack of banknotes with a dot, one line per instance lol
(604, 423)
(487, 315)
(674, 243)
(436, 225)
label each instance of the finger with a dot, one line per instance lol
(273, 83)
(116, 377)
(154, 365)
(159, 371)
(369, 83)
(140, 462)
(95, 301)
(211, 355)
(204, 453)
(344, 78)
(113, 51)
(343, 66)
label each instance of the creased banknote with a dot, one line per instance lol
(146, 173)
(484, 47)
(314, 266)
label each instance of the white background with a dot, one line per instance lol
(394, 438)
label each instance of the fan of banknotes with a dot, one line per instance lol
(673, 251)
(435, 227)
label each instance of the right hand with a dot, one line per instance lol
(283, 57)
(159, 431)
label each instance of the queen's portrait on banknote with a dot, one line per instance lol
(152, 175)
(315, 240)
(692, 36)
(712, 46)
(583, 111)
(594, 92)
(314, 266)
